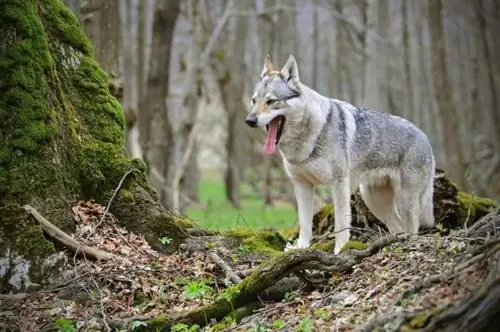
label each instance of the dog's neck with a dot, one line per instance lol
(306, 120)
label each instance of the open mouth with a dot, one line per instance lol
(274, 132)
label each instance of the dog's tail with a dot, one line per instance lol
(427, 203)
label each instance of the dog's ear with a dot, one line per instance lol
(268, 66)
(290, 71)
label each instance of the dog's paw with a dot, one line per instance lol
(289, 246)
(298, 245)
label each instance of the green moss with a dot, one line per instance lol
(264, 241)
(473, 207)
(25, 116)
(127, 195)
(21, 236)
(421, 320)
(325, 212)
(326, 246)
(354, 245)
(239, 232)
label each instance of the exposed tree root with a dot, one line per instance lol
(264, 277)
(57, 234)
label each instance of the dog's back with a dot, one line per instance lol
(392, 162)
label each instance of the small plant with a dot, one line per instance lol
(137, 323)
(196, 289)
(229, 293)
(323, 314)
(244, 248)
(65, 325)
(305, 325)
(278, 324)
(290, 295)
(183, 327)
(165, 240)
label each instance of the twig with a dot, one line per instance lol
(224, 266)
(68, 241)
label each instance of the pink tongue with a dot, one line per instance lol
(272, 132)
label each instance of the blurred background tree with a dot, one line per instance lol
(188, 68)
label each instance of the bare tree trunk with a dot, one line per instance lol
(186, 177)
(230, 72)
(444, 95)
(408, 113)
(101, 20)
(165, 17)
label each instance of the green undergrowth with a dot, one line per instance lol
(218, 214)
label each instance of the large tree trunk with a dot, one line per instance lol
(62, 141)
(444, 95)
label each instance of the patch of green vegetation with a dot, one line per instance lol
(305, 325)
(197, 289)
(221, 215)
(183, 327)
(65, 325)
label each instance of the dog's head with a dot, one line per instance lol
(276, 96)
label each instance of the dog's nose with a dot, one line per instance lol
(251, 120)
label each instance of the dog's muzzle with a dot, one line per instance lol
(251, 120)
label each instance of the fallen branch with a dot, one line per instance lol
(70, 242)
(224, 266)
(265, 276)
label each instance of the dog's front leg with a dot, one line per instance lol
(341, 194)
(304, 196)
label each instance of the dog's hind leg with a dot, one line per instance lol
(408, 205)
(380, 200)
(427, 205)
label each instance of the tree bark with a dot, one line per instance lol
(229, 66)
(444, 95)
(410, 112)
(101, 20)
(62, 141)
(160, 146)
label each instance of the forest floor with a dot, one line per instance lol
(423, 274)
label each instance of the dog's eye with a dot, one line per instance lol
(252, 101)
(271, 101)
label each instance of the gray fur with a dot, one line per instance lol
(328, 141)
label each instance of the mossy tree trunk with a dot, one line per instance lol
(62, 140)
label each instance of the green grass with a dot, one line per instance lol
(219, 214)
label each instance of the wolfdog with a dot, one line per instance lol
(325, 141)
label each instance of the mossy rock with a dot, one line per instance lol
(266, 241)
(28, 259)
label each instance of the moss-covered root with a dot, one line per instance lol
(28, 258)
(267, 275)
